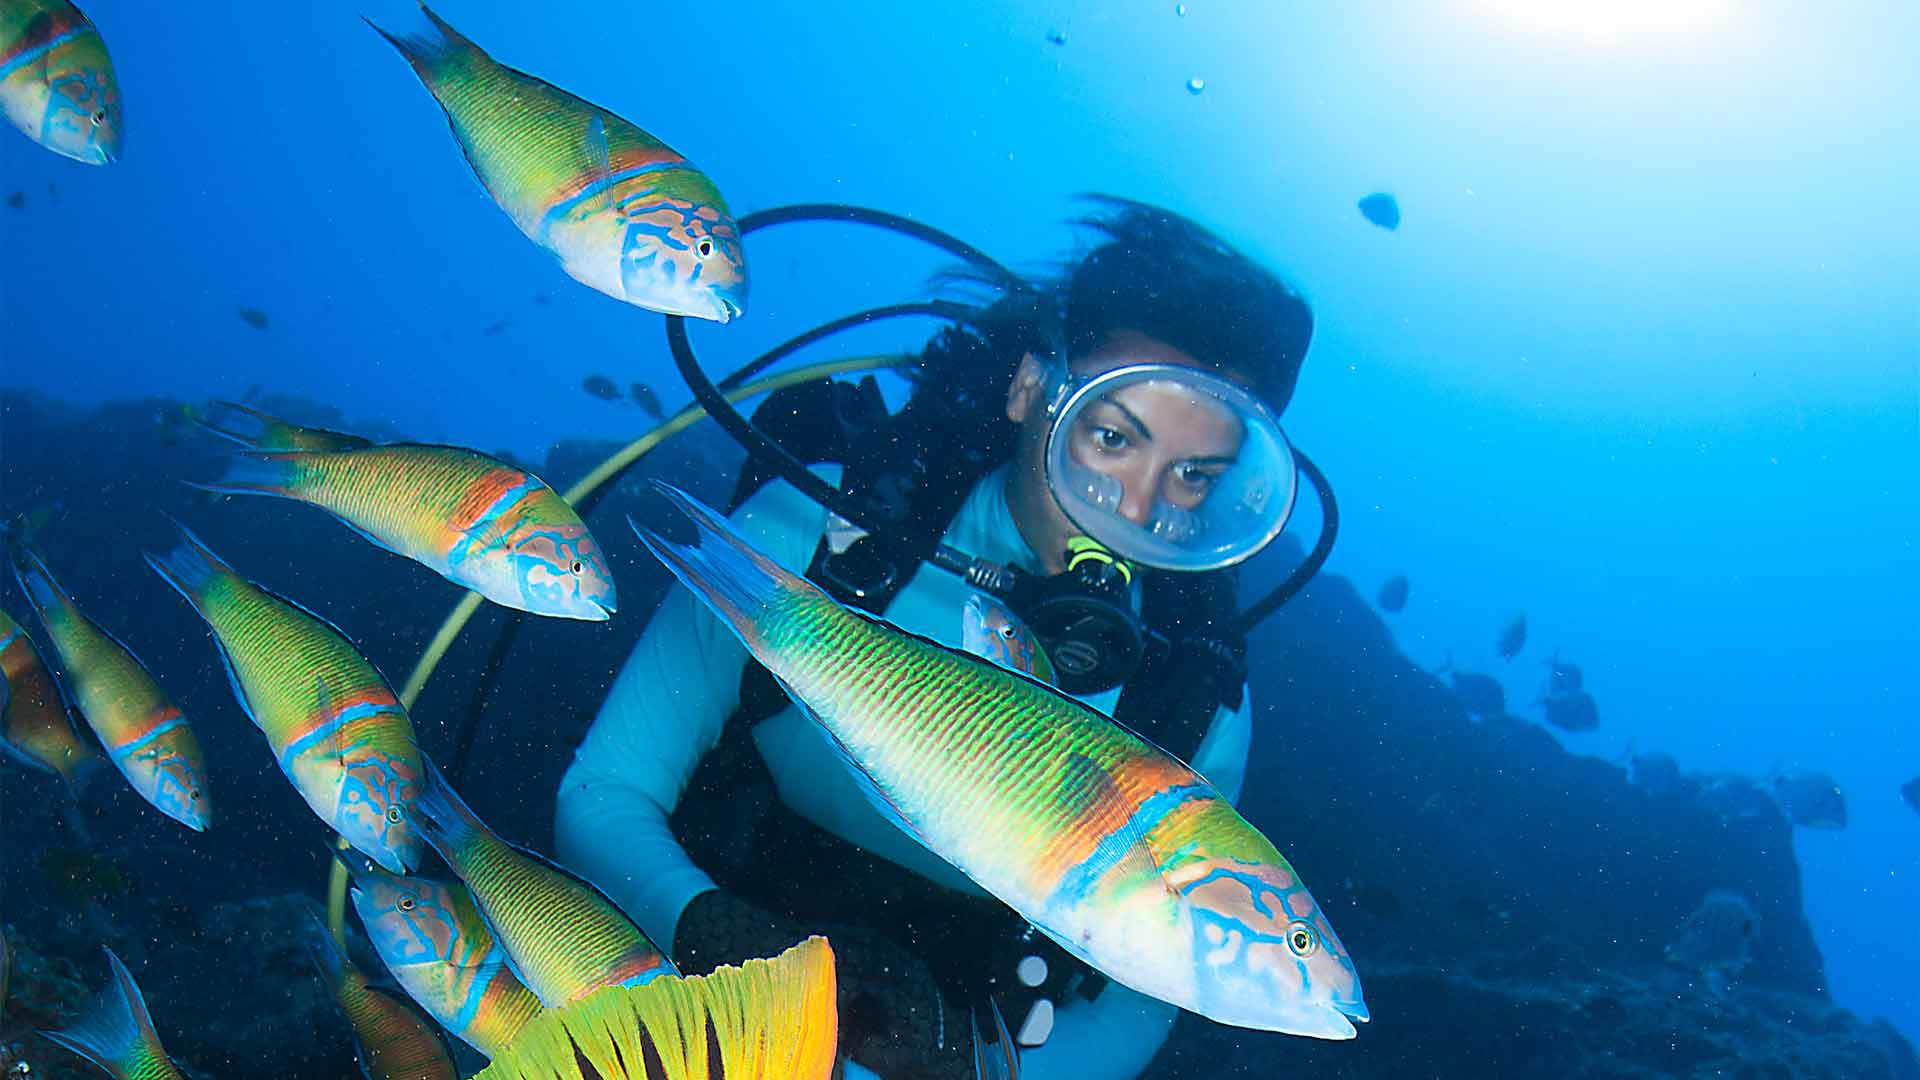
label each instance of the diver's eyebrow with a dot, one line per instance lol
(1146, 433)
(1214, 459)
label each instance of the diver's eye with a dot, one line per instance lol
(1301, 940)
(1195, 478)
(578, 568)
(704, 247)
(1107, 438)
(406, 903)
(393, 815)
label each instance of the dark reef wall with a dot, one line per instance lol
(1508, 902)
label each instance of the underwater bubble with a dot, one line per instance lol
(1180, 10)
(1196, 84)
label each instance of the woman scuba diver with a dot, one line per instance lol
(1104, 451)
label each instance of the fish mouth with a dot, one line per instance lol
(599, 610)
(726, 309)
(1355, 1010)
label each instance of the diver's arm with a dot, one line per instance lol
(1112, 1037)
(665, 711)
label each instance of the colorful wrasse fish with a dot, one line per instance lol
(116, 1033)
(1121, 853)
(336, 728)
(56, 83)
(764, 1020)
(564, 938)
(990, 629)
(478, 522)
(391, 1037)
(623, 212)
(438, 947)
(256, 430)
(144, 733)
(34, 726)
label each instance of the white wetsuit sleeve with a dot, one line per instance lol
(665, 711)
(1222, 756)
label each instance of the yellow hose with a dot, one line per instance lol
(456, 619)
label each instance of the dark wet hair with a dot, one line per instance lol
(1151, 271)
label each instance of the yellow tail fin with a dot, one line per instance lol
(767, 1019)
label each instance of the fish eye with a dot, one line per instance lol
(704, 247)
(578, 568)
(1301, 940)
(406, 903)
(194, 794)
(393, 815)
(99, 118)
(1007, 632)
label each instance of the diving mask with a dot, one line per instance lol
(1168, 466)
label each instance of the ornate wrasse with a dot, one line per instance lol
(476, 521)
(56, 83)
(1114, 848)
(623, 212)
(391, 1038)
(116, 1033)
(34, 726)
(564, 938)
(336, 729)
(144, 733)
(438, 947)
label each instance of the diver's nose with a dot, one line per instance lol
(1136, 502)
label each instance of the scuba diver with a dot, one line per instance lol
(1104, 450)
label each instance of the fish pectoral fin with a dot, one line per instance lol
(597, 153)
(868, 787)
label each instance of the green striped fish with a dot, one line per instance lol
(116, 1033)
(564, 938)
(336, 728)
(623, 212)
(391, 1037)
(1114, 848)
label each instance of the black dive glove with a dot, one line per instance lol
(893, 1018)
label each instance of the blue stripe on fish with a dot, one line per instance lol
(482, 524)
(565, 207)
(39, 51)
(304, 743)
(1120, 843)
(146, 740)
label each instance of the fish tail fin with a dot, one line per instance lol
(271, 473)
(190, 567)
(235, 422)
(429, 47)
(38, 582)
(327, 956)
(766, 1018)
(442, 818)
(719, 566)
(116, 1033)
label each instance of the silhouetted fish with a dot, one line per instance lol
(1481, 694)
(1056, 37)
(648, 401)
(1393, 595)
(1563, 675)
(542, 299)
(253, 317)
(493, 329)
(1573, 712)
(1717, 939)
(1513, 638)
(17, 200)
(1910, 791)
(601, 387)
(1382, 209)
(1811, 800)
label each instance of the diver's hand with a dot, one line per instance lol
(893, 1019)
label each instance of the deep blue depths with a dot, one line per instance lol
(1640, 359)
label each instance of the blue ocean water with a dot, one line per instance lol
(1640, 360)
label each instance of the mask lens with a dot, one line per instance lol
(1170, 467)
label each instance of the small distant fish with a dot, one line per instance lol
(34, 726)
(623, 212)
(437, 945)
(644, 397)
(256, 430)
(1196, 85)
(56, 82)
(336, 728)
(1563, 676)
(1513, 638)
(1482, 695)
(1910, 791)
(1812, 800)
(990, 629)
(145, 734)
(1717, 939)
(542, 299)
(17, 200)
(763, 1020)
(476, 521)
(116, 1033)
(1001, 1059)
(253, 317)
(1382, 209)
(601, 387)
(493, 329)
(392, 1039)
(564, 938)
(1393, 595)
(1056, 37)
(1572, 712)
